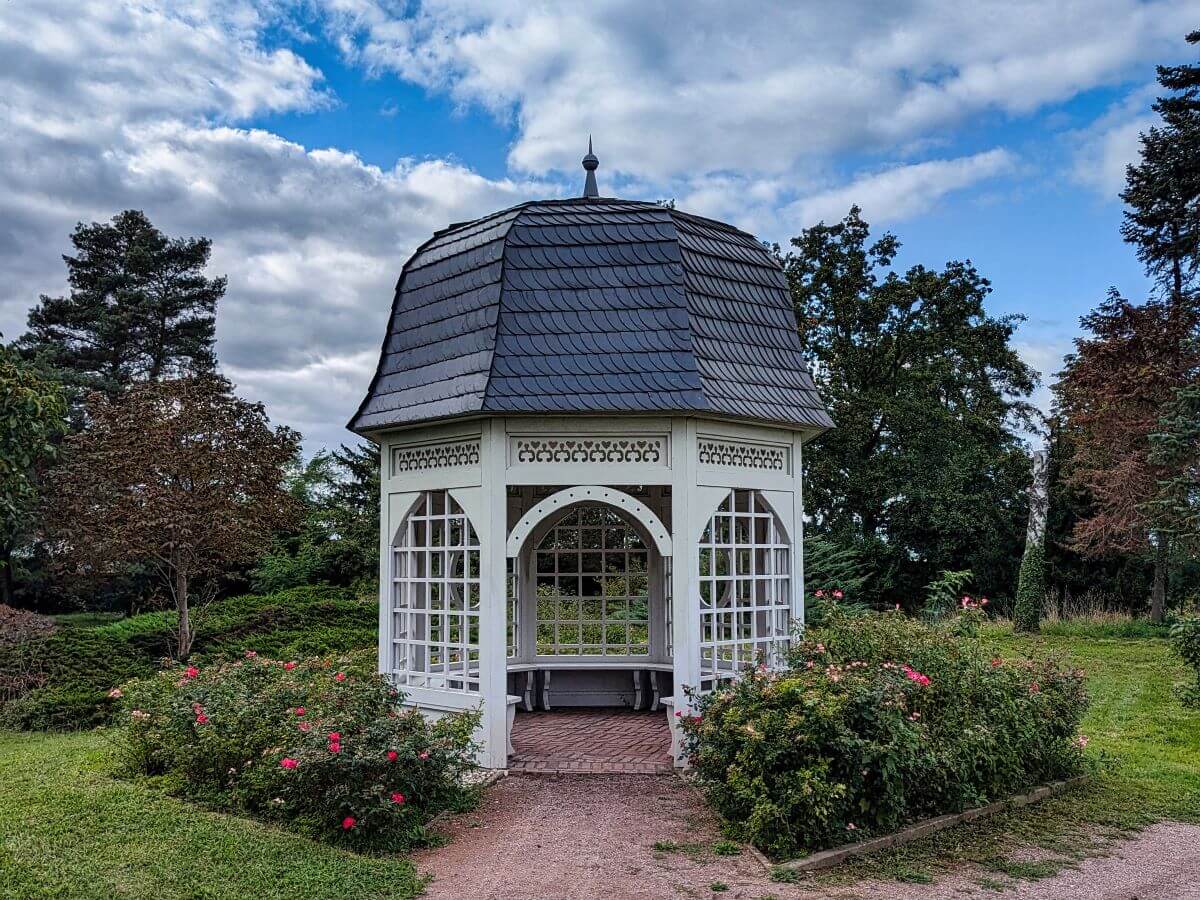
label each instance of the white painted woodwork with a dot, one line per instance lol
(553, 464)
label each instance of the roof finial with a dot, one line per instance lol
(590, 163)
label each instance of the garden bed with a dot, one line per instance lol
(825, 859)
(878, 721)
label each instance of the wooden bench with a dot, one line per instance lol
(590, 664)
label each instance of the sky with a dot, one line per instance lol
(318, 142)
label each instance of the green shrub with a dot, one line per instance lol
(62, 679)
(1185, 638)
(879, 720)
(1031, 590)
(321, 745)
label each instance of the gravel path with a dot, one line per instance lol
(577, 837)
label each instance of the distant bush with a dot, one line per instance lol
(320, 745)
(61, 680)
(1185, 638)
(19, 625)
(877, 721)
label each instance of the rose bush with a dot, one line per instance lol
(319, 744)
(879, 720)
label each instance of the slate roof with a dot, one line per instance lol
(591, 305)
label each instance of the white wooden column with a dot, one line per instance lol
(493, 614)
(797, 529)
(685, 562)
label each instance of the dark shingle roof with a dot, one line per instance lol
(591, 305)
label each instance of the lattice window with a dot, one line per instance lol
(592, 584)
(435, 597)
(513, 634)
(745, 588)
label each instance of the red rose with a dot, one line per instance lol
(397, 798)
(191, 672)
(393, 756)
(288, 763)
(348, 823)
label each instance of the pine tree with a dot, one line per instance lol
(140, 308)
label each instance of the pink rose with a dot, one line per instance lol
(393, 756)
(191, 672)
(250, 654)
(348, 823)
(288, 763)
(288, 666)
(424, 754)
(300, 710)
(340, 676)
(306, 727)
(115, 693)
(201, 719)
(397, 798)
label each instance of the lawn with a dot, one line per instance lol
(68, 827)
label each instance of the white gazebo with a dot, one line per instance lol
(591, 414)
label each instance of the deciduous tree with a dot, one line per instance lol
(926, 391)
(32, 417)
(179, 475)
(1111, 394)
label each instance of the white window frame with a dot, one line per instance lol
(745, 588)
(436, 597)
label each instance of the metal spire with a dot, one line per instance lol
(590, 163)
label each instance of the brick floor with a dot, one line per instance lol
(591, 741)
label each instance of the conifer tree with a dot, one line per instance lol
(140, 308)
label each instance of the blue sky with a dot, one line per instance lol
(318, 142)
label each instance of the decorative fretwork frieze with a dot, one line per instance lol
(423, 457)
(744, 455)
(646, 450)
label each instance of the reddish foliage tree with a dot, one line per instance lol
(1111, 396)
(180, 476)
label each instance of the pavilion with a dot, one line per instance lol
(591, 414)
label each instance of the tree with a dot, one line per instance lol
(1111, 394)
(32, 418)
(1031, 583)
(1162, 216)
(1175, 449)
(338, 540)
(178, 475)
(140, 307)
(924, 466)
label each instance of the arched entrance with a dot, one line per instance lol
(589, 602)
(590, 621)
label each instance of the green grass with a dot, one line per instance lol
(1145, 746)
(68, 828)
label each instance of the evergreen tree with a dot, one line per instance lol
(924, 471)
(1175, 447)
(140, 308)
(338, 540)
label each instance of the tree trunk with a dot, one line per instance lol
(1158, 595)
(7, 584)
(185, 625)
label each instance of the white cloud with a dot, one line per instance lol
(762, 87)
(902, 191)
(312, 239)
(1110, 143)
